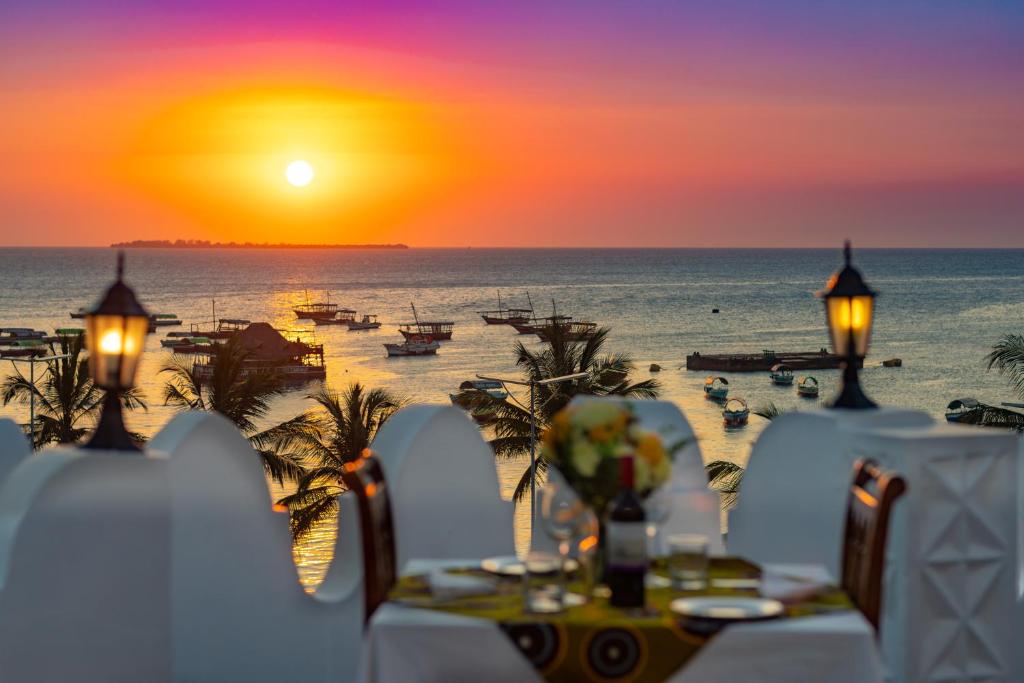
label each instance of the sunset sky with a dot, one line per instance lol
(528, 123)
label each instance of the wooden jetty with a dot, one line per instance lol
(762, 362)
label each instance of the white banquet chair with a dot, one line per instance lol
(238, 611)
(14, 447)
(445, 495)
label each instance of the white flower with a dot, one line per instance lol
(585, 458)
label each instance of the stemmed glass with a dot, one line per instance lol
(566, 520)
(657, 509)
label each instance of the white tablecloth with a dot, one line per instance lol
(409, 644)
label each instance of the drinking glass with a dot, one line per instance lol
(688, 561)
(540, 594)
(562, 514)
(657, 509)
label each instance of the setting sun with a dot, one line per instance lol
(299, 173)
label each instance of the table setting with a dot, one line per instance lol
(616, 602)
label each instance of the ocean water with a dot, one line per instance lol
(938, 310)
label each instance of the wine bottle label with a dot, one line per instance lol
(627, 545)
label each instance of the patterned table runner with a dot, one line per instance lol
(598, 642)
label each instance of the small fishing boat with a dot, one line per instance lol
(322, 310)
(369, 322)
(959, 407)
(716, 388)
(507, 316)
(193, 345)
(781, 374)
(436, 330)
(469, 398)
(69, 331)
(9, 336)
(573, 331)
(225, 329)
(24, 349)
(736, 413)
(807, 387)
(343, 316)
(414, 345)
(164, 319)
(80, 313)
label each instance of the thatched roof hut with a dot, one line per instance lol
(264, 343)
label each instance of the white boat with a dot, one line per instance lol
(807, 387)
(736, 413)
(369, 322)
(959, 407)
(416, 345)
(781, 374)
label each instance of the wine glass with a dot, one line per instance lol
(657, 509)
(563, 516)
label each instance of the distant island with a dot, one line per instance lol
(206, 244)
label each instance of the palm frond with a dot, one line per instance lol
(1007, 356)
(992, 416)
(769, 411)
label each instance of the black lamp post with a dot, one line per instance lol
(849, 307)
(116, 330)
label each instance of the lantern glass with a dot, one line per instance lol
(115, 345)
(849, 322)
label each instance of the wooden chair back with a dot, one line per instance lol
(869, 507)
(364, 477)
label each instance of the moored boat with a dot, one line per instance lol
(368, 322)
(80, 313)
(507, 316)
(781, 374)
(574, 331)
(471, 398)
(736, 413)
(807, 387)
(436, 330)
(225, 329)
(69, 331)
(9, 336)
(415, 345)
(164, 319)
(343, 316)
(321, 310)
(716, 388)
(293, 361)
(959, 407)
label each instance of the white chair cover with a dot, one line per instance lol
(238, 611)
(444, 487)
(14, 447)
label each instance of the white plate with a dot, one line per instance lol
(510, 565)
(726, 608)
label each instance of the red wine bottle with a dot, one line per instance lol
(626, 543)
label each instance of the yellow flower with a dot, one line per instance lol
(593, 413)
(649, 448)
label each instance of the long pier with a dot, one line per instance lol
(760, 362)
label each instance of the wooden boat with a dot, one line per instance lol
(80, 313)
(164, 319)
(436, 330)
(294, 361)
(736, 413)
(781, 374)
(751, 362)
(807, 387)
(469, 394)
(414, 345)
(225, 329)
(574, 331)
(24, 349)
(507, 316)
(10, 336)
(959, 407)
(188, 345)
(344, 316)
(892, 363)
(716, 388)
(323, 310)
(369, 322)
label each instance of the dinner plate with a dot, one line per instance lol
(510, 565)
(726, 608)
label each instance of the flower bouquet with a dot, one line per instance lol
(585, 442)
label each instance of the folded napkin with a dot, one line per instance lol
(794, 584)
(446, 586)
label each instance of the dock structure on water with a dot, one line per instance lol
(763, 362)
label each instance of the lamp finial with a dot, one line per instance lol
(120, 265)
(846, 252)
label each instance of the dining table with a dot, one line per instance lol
(416, 637)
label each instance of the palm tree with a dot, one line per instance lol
(606, 375)
(67, 402)
(242, 394)
(344, 426)
(1007, 356)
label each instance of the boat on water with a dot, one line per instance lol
(781, 375)
(574, 331)
(531, 327)
(507, 316)
(807, 387)
(294, 361)
(24, 349)
(320, 310)
(80, 313)
(436, 330)
(343, 316)
(959, 407)
(69, 331)
(414, 345)
(188, 345)
(225, 329)
(716, 388)
(471, 398)
(164, 319)
(368, 322)
(10, 336)
(735, 413)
